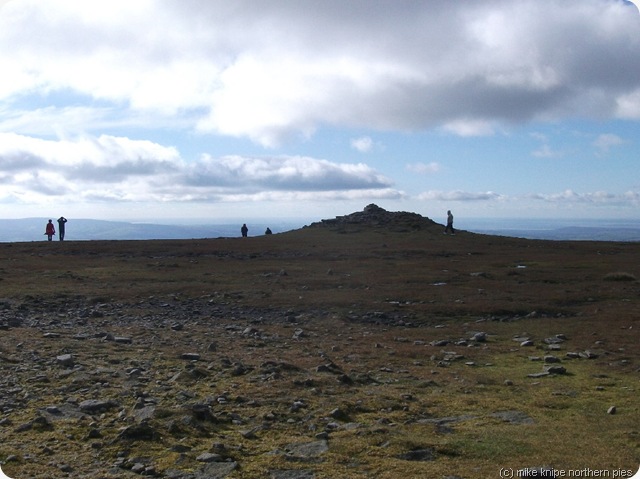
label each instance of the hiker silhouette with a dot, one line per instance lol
(50, 230)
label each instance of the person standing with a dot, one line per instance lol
(50, 230)
(61, 221)
(244, 230)
(449, 227)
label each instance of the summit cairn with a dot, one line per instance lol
(374, 216)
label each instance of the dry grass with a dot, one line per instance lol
(368, 299)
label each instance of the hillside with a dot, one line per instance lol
(368, 345)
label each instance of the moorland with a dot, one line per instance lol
(369, 345)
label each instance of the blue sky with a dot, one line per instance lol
(305, 109)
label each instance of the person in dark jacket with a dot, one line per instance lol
(50, 230)
(61, 221)
(244, 230)
(449, 227)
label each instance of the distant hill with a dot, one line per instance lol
(32, 229)
(571, 233)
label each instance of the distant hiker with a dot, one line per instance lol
(50, 230)
(449, 227)
(244, 230)
(268, 231)
(61, 221)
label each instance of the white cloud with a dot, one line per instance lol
(602, 198)
(109, 168)
(567, 199)
(465, 127)
(424, 168)
(607, 141)
(458, 195)
(363, 144)
(545, 151)
(628, 105)
(287, 68)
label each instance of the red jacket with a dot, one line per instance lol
(50, 229)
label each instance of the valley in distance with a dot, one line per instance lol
(369, 345)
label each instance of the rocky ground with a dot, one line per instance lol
(370, 345)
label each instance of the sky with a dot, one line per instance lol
(145, 109)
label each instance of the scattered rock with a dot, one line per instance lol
(479, 337)
(513, 417)
(93, 406)
(65, 360)
(421, 455)
(306, 450)
(292, 474)
(209, 457)
(555, 369)
(588, 355)
(190, 356)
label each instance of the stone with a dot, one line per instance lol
(555, 369)
(306, 450)
(190, 356)
(612, 410)
(513, 417)
(144, 414)
(292, 474)
(538, 375)
(96, 405)
(479, 337)
(65, 360)
(209, 457)
(142, 431)
(421, 455)
(588, 355)
(339, 414)
(216, 470)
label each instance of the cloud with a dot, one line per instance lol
(628, 106)
(601, 198)
(458, 195)
(284, 173)
(607, 141)
(285, 69)
(567, 199)
(466, 127)
(545, 151)
(363, 144)
(109, 168)
(423, 168)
